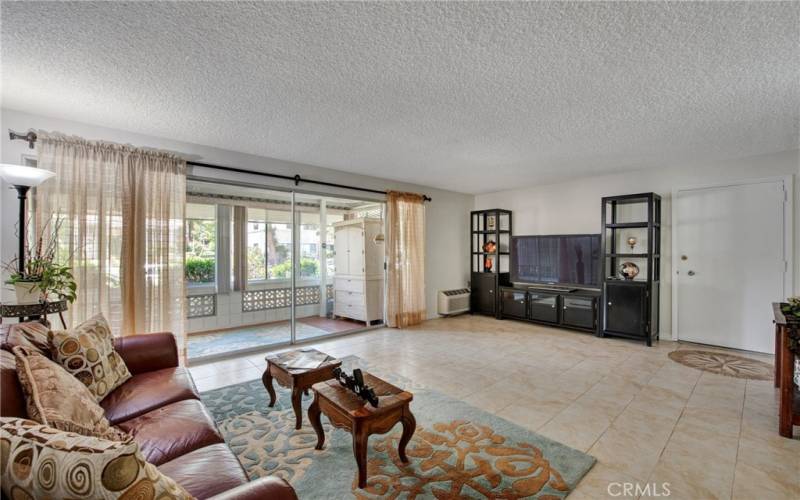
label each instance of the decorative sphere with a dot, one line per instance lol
(628, 270)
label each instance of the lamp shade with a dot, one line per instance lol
(18, 175)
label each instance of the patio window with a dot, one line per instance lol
(201, 244)
(309, 245)
(269, 245)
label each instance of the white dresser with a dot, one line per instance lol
(358, 282)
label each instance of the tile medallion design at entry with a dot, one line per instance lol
(722, 363)
(457, 451)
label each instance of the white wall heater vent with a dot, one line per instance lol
(453, 301)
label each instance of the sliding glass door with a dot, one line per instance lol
(267, 267)
(340, 271)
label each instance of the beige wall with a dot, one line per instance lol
(447, 215)
(574, 206)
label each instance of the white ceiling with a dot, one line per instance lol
(471, 97)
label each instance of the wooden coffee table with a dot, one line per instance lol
(349, 412)
(298, 380)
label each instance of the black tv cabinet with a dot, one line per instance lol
(576, 309)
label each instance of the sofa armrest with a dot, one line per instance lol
(148, 352)
(269, 487)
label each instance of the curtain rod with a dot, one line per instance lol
(30, 137)
(296, 178)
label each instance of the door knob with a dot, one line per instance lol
(690, 273)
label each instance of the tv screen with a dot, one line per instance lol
(556, 259)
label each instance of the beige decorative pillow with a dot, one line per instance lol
(55, 398)
(37, 461)
(31, 334)
(87, 352)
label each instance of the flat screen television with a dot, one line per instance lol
(562, 259)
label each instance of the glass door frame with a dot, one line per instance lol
(295, 256)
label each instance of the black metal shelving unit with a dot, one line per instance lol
(489, 225)
(630, 306)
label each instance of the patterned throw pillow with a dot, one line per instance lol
(87, 352)
(30, 334)
(37, 461)
(55, 398)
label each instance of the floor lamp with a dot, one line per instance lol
(22, 179)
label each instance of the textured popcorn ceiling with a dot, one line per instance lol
(470, 97)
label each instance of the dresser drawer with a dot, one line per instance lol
(349, 298)
(349, 285)
(350, 311)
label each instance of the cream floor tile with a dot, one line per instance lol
(751, 483)
(634, 442)
(693, 441)
(647, 419)
(532, 412)
(690, 478)
(781, 459)
(221, 379)
(712, 420)
(604, 482)
(658, 401)
(761, 424)
(210, 369)
(581, 423)
(614, 388)
(495, 397)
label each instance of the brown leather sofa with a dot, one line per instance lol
(161, 408)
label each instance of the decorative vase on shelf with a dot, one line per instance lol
(28, 292)
(628, 270)
(490, 247)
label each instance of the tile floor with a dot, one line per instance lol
(205, 346)
(647, 419)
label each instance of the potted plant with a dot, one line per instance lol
(41, 276)
(791, 309)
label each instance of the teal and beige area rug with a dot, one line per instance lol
(457, 451)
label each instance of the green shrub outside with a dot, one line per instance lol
(199, 269)
(308, 268)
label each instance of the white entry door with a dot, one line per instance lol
(730, 257)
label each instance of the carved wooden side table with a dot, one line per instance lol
(347, 411)
(298, 380)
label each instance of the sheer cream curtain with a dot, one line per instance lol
(405, 244)
(239, 248)
(121, 211)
